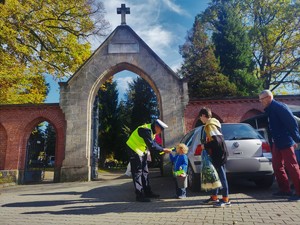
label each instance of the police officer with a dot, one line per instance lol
(141, 139)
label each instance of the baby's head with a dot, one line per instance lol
(181, 149)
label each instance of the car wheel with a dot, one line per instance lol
(264, 182)
(193, 179)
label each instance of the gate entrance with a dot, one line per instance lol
(122, 50)
(95, 150)
(35, 162)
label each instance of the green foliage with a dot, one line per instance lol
(233, 48)
(20, 89)
(275, 36)
(201, 67)
(19, 84)
(38, 37)
(50, 140)
(118, 120)
(141, 102)
(256, 44)
(110, 138)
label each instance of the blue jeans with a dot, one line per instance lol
(223, 179)
(179, 191)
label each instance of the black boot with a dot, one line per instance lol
(142, 198)
(151, 195)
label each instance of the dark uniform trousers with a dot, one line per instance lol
(140, 172)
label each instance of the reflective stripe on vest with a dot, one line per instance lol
(136, 143)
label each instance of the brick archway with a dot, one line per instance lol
(17, 122)
(250, 113)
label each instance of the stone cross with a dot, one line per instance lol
(123, 11)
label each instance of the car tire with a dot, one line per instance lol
(264, 182)
(193, 180)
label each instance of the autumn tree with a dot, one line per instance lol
(20, 85)
(275, 36)
(39, 37)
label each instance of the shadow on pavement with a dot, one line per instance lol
(116, 195)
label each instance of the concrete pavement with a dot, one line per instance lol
(111, 200)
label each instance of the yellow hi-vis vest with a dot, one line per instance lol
(136, 143)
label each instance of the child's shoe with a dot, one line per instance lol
(294, 198)
(210, 201)
(222, 203)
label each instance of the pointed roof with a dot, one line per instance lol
(129, 42)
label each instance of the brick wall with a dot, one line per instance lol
(230, 110)
(16, 124)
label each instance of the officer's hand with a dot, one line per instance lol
(167, 150)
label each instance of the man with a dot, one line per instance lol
(215, 146)
(284, 134)
(138, 142)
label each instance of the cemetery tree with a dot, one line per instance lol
(142, 102)
(201, 67)
(233, 48)
(275, 36)
(50, 140)
(39, 37)
(142, 107)
(109, 123)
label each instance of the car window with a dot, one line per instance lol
(187, 139)
(200, 136)
(239, 131)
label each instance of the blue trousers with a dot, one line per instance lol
(223, 179)
(179, 191)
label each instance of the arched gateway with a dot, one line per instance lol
(122, 50)
(72, 118)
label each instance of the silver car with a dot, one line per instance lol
(249, 155)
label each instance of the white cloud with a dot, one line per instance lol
(175, 8)
(144, 20)
(122, 80)
(158, 39)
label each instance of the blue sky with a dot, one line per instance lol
(162, 24)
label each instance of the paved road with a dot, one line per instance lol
(111, 201)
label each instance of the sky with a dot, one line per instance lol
(161, 24)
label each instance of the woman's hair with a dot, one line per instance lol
(205, 111)
(183, 147)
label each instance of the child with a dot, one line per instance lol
(180, 164)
